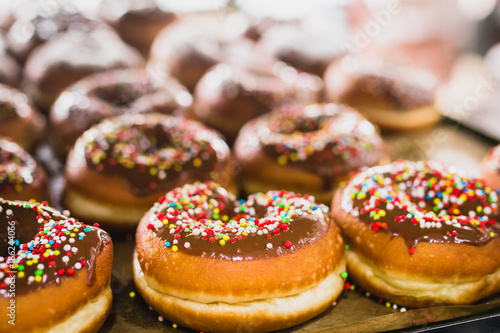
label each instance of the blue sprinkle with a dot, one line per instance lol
(167, 244)
(440, 195)
(86, 229)
(171, 204)
(17, 242)
(51, 242)
(80, 237)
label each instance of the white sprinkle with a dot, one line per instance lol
(74, 249)
(269, 245)
(187, 245)
(67, 247)
(40, 266)
(8, 212)
(78, 266)
(403, 310)
(160, 318)
(65, 259)
(71, 240)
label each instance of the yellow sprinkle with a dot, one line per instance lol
(165, 221)
(29, 262)
(225, 237)
(174, 248)
(242, 224)
(294, 156)
(18, 187)
(131, 294)
(225, 218)
(479, 209)
(282, 160)
(57, 252)
(45, 254)
(174, 325)
(72, 234)
(35, 261)
(216, 210)
(381, 213)
(38, 278)
(171, 226)
(376, 217)
(197, 162)
(222, 242)
(178, 167)
(436, 201)
(387, 304)
(20, 274)
(214, 174)
(153, 171)
(361, 196)
(492, 234)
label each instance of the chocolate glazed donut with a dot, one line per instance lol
(55, 276)
(113, 93)
(421, 234)
(228, 96)
(120, 167)
(307, 149)
(393, 96)
(21, 178)
(211, 263)
(19, 120)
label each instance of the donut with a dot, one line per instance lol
(420, 234)
(306, 149)
(137, 23)
(306, 50)
(190, 46)
(490, 168)
(210, 263)
(36, 22)
(119, 167)
(19, 120)
(227, 97)
(72, 55)
(21, 177)
(393, 96)
(112, 93)
(55, 276)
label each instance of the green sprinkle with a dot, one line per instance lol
(344, 275)
(38, 272)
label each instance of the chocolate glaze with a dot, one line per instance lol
(401, 94)
(302, 231)
(341, 140)
(113, 93)
(131, 146)
(402, 87)
(28, 226)
(466, 233)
